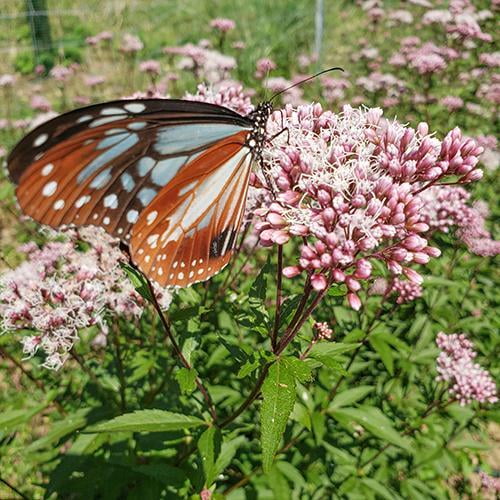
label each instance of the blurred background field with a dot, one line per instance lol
(460, 87)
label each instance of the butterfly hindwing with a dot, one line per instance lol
(202, 211)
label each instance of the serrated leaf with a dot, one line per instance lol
(138, 281)
(209, 446)
(350, 396)
(186, 379)
(278, 392)
(301, 369)
(148, 421)
(375, 422)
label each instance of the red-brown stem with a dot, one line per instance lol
(249, 400)
(178, 351)
(279, 278)
(291, 333)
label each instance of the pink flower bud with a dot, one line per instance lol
(276, 219)
(354, 301)
(352, 284)
(338, 275)
(318, 282)
(291, 271)
(421, 258)
(413, 276)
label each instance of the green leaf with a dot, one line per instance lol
(384, 351)
(378, 488)
(278, 484)
(60, 429)
(375, 422)
(291, 473)
(186, 379)
(209, 445)
(148, 421)
(13, 418)
(331, 349)
(339, 290)
(259, 286)
(228, 451)
(138, 281)
(278, 392)
(351, 396)
(301, 369)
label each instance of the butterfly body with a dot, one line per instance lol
(167, 177)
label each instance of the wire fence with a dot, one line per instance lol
(34, 25)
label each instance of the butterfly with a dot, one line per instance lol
(168, 177)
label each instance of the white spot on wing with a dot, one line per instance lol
(151, 217)
(82, 200)
(47, 169)
(59, 205)
(40, 140)
(132, 216)
(145, 195)
(50, 188)
(111, 201)
(135, 107)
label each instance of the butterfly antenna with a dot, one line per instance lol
(306, 80)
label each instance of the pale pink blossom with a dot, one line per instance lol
(131, 44)
(60, 289)
(349, 186)
(151, 67)
(467, 381)
(222, 24)
(263, 67)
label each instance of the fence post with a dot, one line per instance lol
(318, 33)
(38, 19)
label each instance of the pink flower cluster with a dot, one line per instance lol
(323, 331)
(455, 364)
(405, 290)
(151, 66)
(446, 208)
(61, 73)
(206, 64)
(131, 44)
(100, 37)
(263, 67)
(350, 186)
(222, 24)
(60, 289)
(490, 483)
(228, 94)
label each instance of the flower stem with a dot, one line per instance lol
(121, 371)
(279, 278)
(178, 351)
